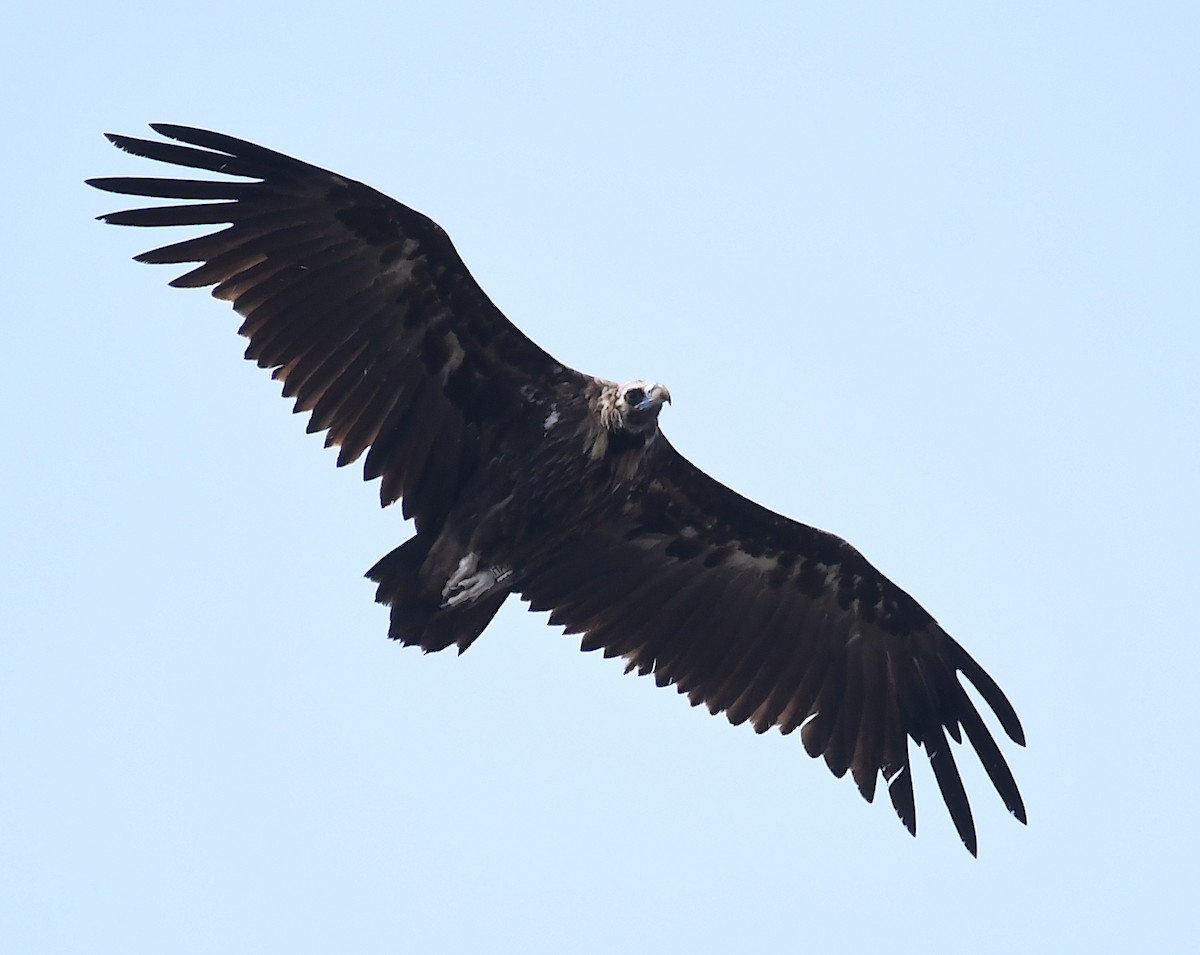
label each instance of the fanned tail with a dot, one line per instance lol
(419, 617)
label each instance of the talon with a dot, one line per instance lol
(471, 588)
(466, 567)
(467, 583)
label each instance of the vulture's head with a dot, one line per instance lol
(637, 404)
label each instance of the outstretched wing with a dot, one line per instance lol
(360, 304)
(780, 624)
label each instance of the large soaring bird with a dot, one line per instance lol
(525, 476)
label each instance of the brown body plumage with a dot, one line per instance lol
(525, 476)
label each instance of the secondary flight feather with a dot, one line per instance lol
(526, 477)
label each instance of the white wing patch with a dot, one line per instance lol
(551, 418)
(757, 565)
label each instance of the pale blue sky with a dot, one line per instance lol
(924, 277)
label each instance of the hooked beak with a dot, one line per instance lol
(654, 398)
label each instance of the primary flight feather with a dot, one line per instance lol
(523, 476)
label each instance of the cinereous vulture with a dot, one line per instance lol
(523, 476)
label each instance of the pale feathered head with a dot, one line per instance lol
(634, 406)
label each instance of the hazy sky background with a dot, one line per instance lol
(924, 276)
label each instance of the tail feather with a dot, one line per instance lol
(418, 616)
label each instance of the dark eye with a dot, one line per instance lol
(635, 396)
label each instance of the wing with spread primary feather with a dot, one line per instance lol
(359, 304)
(780, 624)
